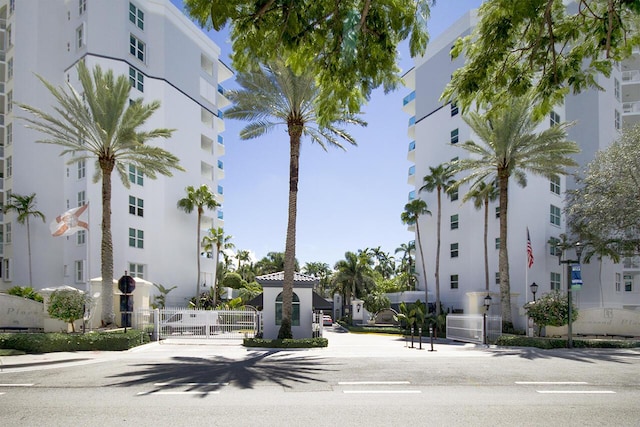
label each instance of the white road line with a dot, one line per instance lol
(575, 391)
(551, 382)
(16, 385)
(1, 393)
(189, 384)
(372, 382)
(145, 393)
(382, 391)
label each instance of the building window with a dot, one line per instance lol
(136, 270)
(81, 237)
(136, 79)
(7, 232)
(136, 16)
(82, 6)
(497, 277)
(454, 109)
(617, 122)
(497, 243)
(9, 133)
(454, 250)
(554, 250)
(454, 222)
(616, 88)
(554, 215)
(79, 271)
(554, 184)
(618, 282)
(6, 269)
(555, 281)
(82, 198)
(554, 118)
(10, 68)
(136, 206)
(135, 175)
(295, 314)
(454, 136)
(628, 283)
(10, 101)
(82, 169)
(454, 281)
(497, 211)
(80, 37)
(136, 47)
(9, 36)
(12, 6)
(454, 194)
(9, 167)
(136, 238)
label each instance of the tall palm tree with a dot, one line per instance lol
(101, 122)
(406, 262)
(198, 199)
(440, 179)
(510, 147)
(321, 271)
(242, 255)
(483, 193)
(25, 207)
(354, 275)
(412, 212)
(272, 96)
(216, 238)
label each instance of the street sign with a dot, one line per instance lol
(576, 277)
(126, 284)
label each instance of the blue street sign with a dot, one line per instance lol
(576, 277)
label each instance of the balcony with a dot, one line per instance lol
(412, 195)
(222, 100)
(412, 131)
(220, 148)
(631, 76)
(631, 107)
(411, 154)
(220, 170)
(412, 175)
(408, 103)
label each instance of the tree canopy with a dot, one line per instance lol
(350, 46)
(541, 45)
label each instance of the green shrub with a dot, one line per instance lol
(25, 292)
(67, 305)
(549, 343)
(54, 342)
(286, 343)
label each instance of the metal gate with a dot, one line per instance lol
(471, 327)
(205, 324)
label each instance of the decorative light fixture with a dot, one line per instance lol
(534, 290)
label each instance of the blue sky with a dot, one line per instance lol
(347, 200)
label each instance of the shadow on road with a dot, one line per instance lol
(578, 355)
(211, 374)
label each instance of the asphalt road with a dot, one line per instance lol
(375, 381)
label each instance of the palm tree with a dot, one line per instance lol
(321, 271)
(103, 123)
(354, 275)
(272, 96)
(25, 207)
(483, 193)
(216, 238)
(510, 147)
(198, 199)
(242, 255)
(412, 211)
(440, 178)
(406, 262)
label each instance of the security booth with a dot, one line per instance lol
(302, 300)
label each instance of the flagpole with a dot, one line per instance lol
(88, 273)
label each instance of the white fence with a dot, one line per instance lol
(471, 328)
(206, 324)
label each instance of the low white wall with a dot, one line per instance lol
(18, 312)
(602, 321)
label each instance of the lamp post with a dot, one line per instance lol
(534, 289)
(569, 262)
(487, 304)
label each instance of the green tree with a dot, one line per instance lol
(350, 47)
(198, 199)
(605, 207)
(67, 305)
(406, 262)
(273, 262)
(160, 301)
(354, 276)
(385, 264)
(322, 272)
(413, 315)
(25, 292)
(510, 147)
(25, 207)
(272, 96)
(541, 45)
(551, 310)
(102, 122)
(412, 212)
(483, 193)
(233, 280)
(216, 238)
(439, 179)
(375, 302)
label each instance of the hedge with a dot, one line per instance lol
(286, 343)
(549, 343)
(54, 342)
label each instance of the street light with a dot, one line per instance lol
(487, 304)
(534, 289)
(569, 262)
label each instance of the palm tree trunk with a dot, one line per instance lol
(106, 249)
(198, 258)
(29, 252)
(424, 270)
(438, 255)
(215, 276)
(503, 256)
(295, 133)
(486, 249)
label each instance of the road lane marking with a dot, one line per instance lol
(551, 382)
(575, 391)
(145, 393)
(373, 382)
(16, 385)
(382, 391)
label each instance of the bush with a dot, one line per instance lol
(54, 342)
(286, 343)
(551, 310)
(67, 305)
(549, 343)
(25, 292)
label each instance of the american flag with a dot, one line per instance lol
(529, 250)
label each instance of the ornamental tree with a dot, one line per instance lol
(67, 305)
(551, 309)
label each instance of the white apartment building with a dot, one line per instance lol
(166, 58)
(434, 130)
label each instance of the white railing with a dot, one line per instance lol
(631, 76)
(470, 328)
(631, 107)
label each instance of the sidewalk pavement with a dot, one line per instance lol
(341, 344)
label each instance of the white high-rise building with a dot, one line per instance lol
(167, 58)
(435, 128)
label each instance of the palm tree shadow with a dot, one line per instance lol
(207, 375)
(577, 355)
